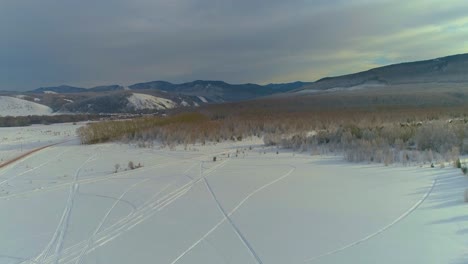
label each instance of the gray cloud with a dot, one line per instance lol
(88, 42)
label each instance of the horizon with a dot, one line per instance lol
(214, 80)
(90, 44)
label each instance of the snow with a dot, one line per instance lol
(203, 99)
(14, 140)
(145, 101)
(258, 207)
(367, 85)
(50, 92)
(11, 106)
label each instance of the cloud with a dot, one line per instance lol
(87, 42)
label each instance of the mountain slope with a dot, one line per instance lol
(450, 69)
(218, 91)
(129, 102)
(60, 89)
(139, 101)
(10, 106)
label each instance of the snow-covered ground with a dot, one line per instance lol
(11, 106)
(145, 101)
(15, 140)
(68, 204)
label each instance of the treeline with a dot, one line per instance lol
(134, 128)
(386, 135)
(18, 121)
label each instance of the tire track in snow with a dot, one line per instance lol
(233, 225)
(231, 213)
(401, 217)
(34, 168)
(127, 223)
(59, 233)
(103, 220)
(28, 154)
(93, 180)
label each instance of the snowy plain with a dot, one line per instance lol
(69, 203)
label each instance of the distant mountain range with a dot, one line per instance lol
(158, 96)
(70, 89)
(212, 91)
(451, 69)
(219, 91)
(149, 97)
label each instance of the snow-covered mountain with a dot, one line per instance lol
(140, 101)
(11, 106)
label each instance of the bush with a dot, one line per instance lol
(464, 170)
(466, 196)
(131, 165)
(458, 164)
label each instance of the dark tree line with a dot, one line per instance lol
(9, 121)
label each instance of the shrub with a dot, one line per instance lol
(457, 164)
(131, 165)
(466, 196)
(464, 170)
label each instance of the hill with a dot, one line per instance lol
(219, 91)
(450, 69)
(10, 106)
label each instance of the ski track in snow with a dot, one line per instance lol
(233, 225)
(101, 223)
(55, 252)
(147, 210)
(59, 234)
(115, 176)
(401, 217)
(230, 214)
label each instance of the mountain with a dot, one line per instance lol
(60, 89)
(11, 106)
(205, 91)
(106, 88)
(218, 91)
(285, 87)
(129, 102)
(139, 101)
(158, 85)
(450, 69)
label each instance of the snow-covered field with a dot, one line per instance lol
(68, 204)
(11, 106)
(14, 140)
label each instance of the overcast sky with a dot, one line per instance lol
(97, 42)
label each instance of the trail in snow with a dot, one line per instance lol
(34, 168)
(230, 214)
(70, 255)
(112, 176)
(101, 223)
(59, 233)
(233, 225)
(401, 217)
